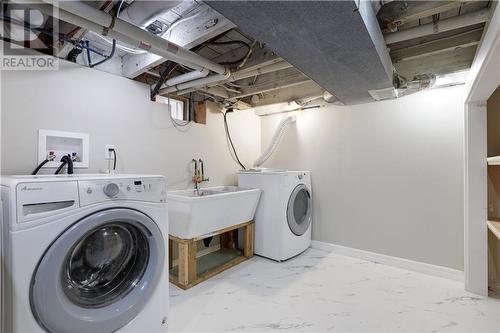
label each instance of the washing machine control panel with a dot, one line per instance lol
(141, 189)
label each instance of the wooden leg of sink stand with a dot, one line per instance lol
(187, 262)
(248, 241)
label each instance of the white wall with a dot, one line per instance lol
(116, 110)
(387, 176)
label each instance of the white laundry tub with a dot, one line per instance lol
(195, 213)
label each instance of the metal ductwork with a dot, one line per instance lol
(335, 43)
(143, 13)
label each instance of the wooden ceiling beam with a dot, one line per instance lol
(453, 23)
(463, 39)
(422, 10)
(290, 81)
(441, 63)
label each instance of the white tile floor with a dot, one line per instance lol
(321, 291)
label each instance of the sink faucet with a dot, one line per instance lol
(203, 179)
(199, 173)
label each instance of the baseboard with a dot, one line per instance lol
(416, 266)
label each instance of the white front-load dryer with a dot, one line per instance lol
(283, 218)
(84, 254)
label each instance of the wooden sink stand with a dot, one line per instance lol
(191, 270)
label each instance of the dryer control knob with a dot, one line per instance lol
(111, 189)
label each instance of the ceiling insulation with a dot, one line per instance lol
(335, 43)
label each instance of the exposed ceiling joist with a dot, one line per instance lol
(441, 63)
(453, 23)
(422, 10)
(190, 33)
(273, 85)
(157, 75)
(463, 39)
(444, 50)
(290, 94)
(216, 91)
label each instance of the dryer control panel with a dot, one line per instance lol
(140, 189)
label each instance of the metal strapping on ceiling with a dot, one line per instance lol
(335, 43)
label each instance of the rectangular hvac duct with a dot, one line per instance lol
(338, 44)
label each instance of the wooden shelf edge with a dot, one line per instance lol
(494, 227)
(494, 160)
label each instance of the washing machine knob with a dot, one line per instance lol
(111, 189)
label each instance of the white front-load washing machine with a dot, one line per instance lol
(84, 253)
(284, 215)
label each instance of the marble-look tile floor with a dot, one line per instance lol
(321, 291)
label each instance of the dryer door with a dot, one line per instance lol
(299, 210)
(98, 274)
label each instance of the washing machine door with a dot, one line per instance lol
(299, 210)
(98, 274)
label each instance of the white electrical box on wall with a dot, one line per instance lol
(61, 143)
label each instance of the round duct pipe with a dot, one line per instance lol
(187, 77)
(275, 140)
(143, 13)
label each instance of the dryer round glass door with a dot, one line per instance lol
(98, 275)
(299, 210)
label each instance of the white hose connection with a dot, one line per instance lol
(280, 130)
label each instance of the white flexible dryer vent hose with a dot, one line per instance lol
(275, 141)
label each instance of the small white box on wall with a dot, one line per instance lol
(61, 143)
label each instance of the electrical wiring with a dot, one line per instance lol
(240, 42)
(229, 42)
(179, 21)
(228, 136)
(249, 53)
(231, 89)
(106, 58)
(232, 84)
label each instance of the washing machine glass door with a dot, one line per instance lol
(98, 274)
(299, 210)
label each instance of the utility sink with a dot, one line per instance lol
(198, 213)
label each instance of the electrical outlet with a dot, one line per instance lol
(107, 154)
